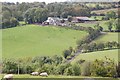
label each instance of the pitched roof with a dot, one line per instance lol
(84, 18)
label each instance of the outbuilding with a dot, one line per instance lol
(81, 19)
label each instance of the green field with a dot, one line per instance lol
(110, 36)
(58, 77)
(105, 11)
(97, 17)
(92, 24)
(50, 76)
(112, 54)
(35, 40)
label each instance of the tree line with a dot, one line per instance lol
(113, 24)
(38, 12)
(34, 12)
(92, 34)
(100, 46)
(56, 66)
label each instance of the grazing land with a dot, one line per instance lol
(92, 24)
(105, 11)
(40, 38)
(58, 77)
(109, 36)
(91, 56)
(35, 40)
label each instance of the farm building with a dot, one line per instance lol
(55, 21)
(52, 21)
(81, 19)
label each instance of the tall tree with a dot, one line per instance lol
(109, 24)
(34, 15)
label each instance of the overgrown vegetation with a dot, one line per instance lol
(100, 46)
(55, 66)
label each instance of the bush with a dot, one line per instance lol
(118, 69)
(76, 69)
(9, 23)
(9, 66)
(103, 68)
(69, 71)
(61, 68)
(80, 61)
(66, 53)
(85, 69)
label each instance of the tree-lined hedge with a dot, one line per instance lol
(100, 46)
(104, 68)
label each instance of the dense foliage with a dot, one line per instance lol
(100, 46)
(38, 12)
(56, 66)
(35, 15)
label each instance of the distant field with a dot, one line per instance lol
(105, 11)
(92, 24)
(108, 37)
(112, 54)
(97, 17)
(34, 40)
(94, 5)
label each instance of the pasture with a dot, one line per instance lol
(100, 55)
(35, 40)
(58, 77)
(109, 36)
(97, 17)
(105, 11)
(92, 24)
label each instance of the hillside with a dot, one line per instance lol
(34, 40)
(92, 24)
(112, 54)
(105, 11)
(108, 37)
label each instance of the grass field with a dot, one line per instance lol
(92, 24)
(110, 36)
(97, 17)
(112, 54)
(34, 40)
(58, 77)
(105, 11)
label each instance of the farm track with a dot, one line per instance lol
(79, 51)
(76, 54)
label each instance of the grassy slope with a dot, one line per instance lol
(34, 40)
(112, 54)
(108, 37)
(105, 11)
(92, 24)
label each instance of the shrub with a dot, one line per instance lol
(66, 53)
(61, 68)
(85, 69)
(118, 69)
(76, 69)
(103, 68)
(9, 66)
(69, 71)
(80, 61)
